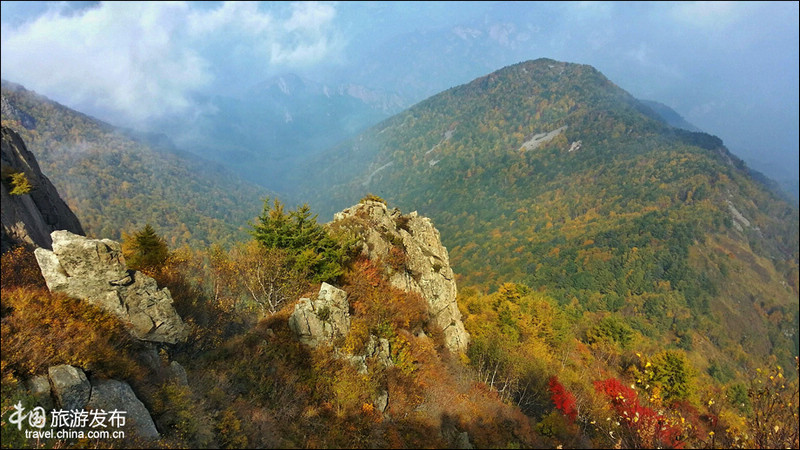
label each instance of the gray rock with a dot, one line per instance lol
(39, 388)
(318, 322)
(379, 349)
(28, 219)
(427, 266)
(382, 401)
(178, 373)
(94, 270)
(463, 442)
(70, 386)
(110, 395)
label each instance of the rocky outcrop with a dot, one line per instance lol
(320, 321)
(110, 395)
(378, 349)
(94, 270)
(71, 388)
(426, 268)
(73, 391)
(29, 218)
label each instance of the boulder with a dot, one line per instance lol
(70, 386)
(94, 270)
(427, 268)
(39, 388)
(110, 395)
(178, 373)
(376, 348)
(318, 322)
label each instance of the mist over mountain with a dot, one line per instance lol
(401, 225)
(117, 180)
(265, 133)
(706, 61)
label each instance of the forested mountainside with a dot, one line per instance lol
(265, 134)
(116, 181)
(547, 174)
(606, 281)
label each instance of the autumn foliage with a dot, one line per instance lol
(642, 427)
(563, 399)
(41, 329)
(19, 269)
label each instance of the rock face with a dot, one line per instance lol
(28, 219)
(427, 265)
(73, 391)
(320, 321)
(95, 270)
(110, 395)
(71, 388)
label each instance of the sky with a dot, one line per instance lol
(730, 68)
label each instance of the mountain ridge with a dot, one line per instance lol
(117, 180)
(548, 174)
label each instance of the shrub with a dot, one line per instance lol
(20, 269)
(20, 183)
(372, 198)
(402, 223)
(17, 181)
(642, 427)
(563, 399)
(309, 246)
(43, 329)
(145, 250)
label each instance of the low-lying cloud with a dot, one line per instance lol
(139, 61)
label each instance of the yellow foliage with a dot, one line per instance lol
(44, 329)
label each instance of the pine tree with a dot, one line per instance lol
(310, 248)
(147, 250)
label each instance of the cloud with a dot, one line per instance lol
(139, 61)
(709, 14)
(306, 37)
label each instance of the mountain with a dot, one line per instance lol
(669, 115)
(785, 187)
(117, 180)
(548, 174)
(270, 130)
(32, 208)
(621, 283)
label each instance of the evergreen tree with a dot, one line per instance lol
(147, 250)
(310, 248)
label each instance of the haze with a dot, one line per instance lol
(729, 68)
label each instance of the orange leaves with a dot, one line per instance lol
(396, 258)
(19, 268)
(43, 329)
(378, 304)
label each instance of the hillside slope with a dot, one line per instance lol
(116, 181)
(548, 174)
